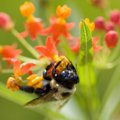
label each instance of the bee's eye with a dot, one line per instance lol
(63, 74)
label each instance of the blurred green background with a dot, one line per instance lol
(10, 110)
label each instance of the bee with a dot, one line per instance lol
(58, 84)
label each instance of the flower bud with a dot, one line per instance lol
(115, 16)
(111, 39)
(63, 11)
(27, 9)
(109, 26)
(100, 23)
(5, 21)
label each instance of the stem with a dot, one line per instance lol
(26, 59)
(25, 43)
(6, 71)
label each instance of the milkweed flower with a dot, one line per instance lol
(21, 69)
(33, 25)
(27, 9)
(49, 50)
(111, 39)
(12, 83)
(59, 27)
(5, 21)
(9, 51)
(63, 11)
(100, 23)
(109, 26)
(115, 16)
(58, 24)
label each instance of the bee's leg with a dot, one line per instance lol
(43, 91)
(28, 89)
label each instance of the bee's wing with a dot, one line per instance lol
(61, 103)
(46, 98)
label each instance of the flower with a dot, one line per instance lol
(12, 83)
(5, 21)
(21, 69)
(115, 16)
(96, 48)
(90, 25)
(99, 3)
(9, 51)
(33, 28)
(111, 39)
(27, 9)
(63, 11)
(100, 23)
(49, 50)
(59, 27)
(33, 25)
(109, 26)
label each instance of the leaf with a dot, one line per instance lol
(86, 70)
(21, 98)
(111, 104)
(86, 52)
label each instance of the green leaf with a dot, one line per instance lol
(86, 70)
(86, 51)
(111, 104)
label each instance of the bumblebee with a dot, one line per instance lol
(57, 83)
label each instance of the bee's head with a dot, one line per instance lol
(65, 74)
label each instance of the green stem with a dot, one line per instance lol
(6, 71)
(26, 59)
(25, 43)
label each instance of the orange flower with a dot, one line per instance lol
(33, 27)
(9, 51)
(12, 83)
(21, 69)
(63, 11)
(59, 27)
(27, 9)
(49, 50)
(96, 48)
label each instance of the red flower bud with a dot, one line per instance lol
(5, 21)
(109, 26)
(100, 23)
(115, 16)
(111, 39)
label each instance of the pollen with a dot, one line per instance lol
(27, 9)
(63, 11)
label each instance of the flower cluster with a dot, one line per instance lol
(58, 27)
(109, 27)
